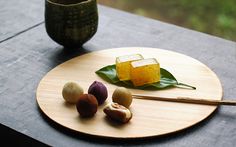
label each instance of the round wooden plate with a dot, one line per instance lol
(150, 118)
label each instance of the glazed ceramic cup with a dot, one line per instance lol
(71, 23)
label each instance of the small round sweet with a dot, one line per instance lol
(87, 105)
(122, 96)
(71, 92)
(99, 90)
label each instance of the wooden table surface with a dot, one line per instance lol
(27, 54)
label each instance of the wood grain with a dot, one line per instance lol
(187, 100)
(150, 118)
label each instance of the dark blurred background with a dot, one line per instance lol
(215, 17)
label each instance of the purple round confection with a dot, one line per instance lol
(99, 90)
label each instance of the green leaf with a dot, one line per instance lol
(167, 80)
(108, 73)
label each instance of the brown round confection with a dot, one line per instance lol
(87, 105)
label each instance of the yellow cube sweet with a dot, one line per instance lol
(145, 71)
(123, 65)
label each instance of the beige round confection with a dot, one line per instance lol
(71, 92)
(122, 96)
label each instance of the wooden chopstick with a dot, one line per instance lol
(187, 100)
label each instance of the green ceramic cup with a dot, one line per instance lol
(71, 23)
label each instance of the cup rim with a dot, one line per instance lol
(68, 5)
